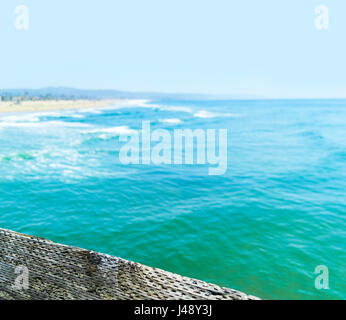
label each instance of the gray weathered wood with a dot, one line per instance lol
(59, 272)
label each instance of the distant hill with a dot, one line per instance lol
(71, 93)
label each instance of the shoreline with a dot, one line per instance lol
(56, 105)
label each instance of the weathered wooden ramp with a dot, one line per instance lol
(57, 272)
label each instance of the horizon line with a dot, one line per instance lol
(228, 96)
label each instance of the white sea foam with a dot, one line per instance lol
(42, 124)
(171, 121)
(148, 104)
(208, 114)
(169, 108)
(19, 118)
(37, 119)
(66, 124)
(62, 114)
(113, 130)
(77, 116)
(128, 103)
(106, 133)
(185, 109)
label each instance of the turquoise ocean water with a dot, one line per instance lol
(262, 227)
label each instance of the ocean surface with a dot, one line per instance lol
(263, 227)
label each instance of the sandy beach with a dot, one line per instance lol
(46, 105)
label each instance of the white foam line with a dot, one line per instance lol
(171, 121)
(208, 114)
(113, 130)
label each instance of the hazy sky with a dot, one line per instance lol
(269, 47)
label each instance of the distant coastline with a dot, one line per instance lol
(47, 105)
(65, 93)
(62, 98)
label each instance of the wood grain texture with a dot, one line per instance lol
(58, 272)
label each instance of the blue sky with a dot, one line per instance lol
(269, 48)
